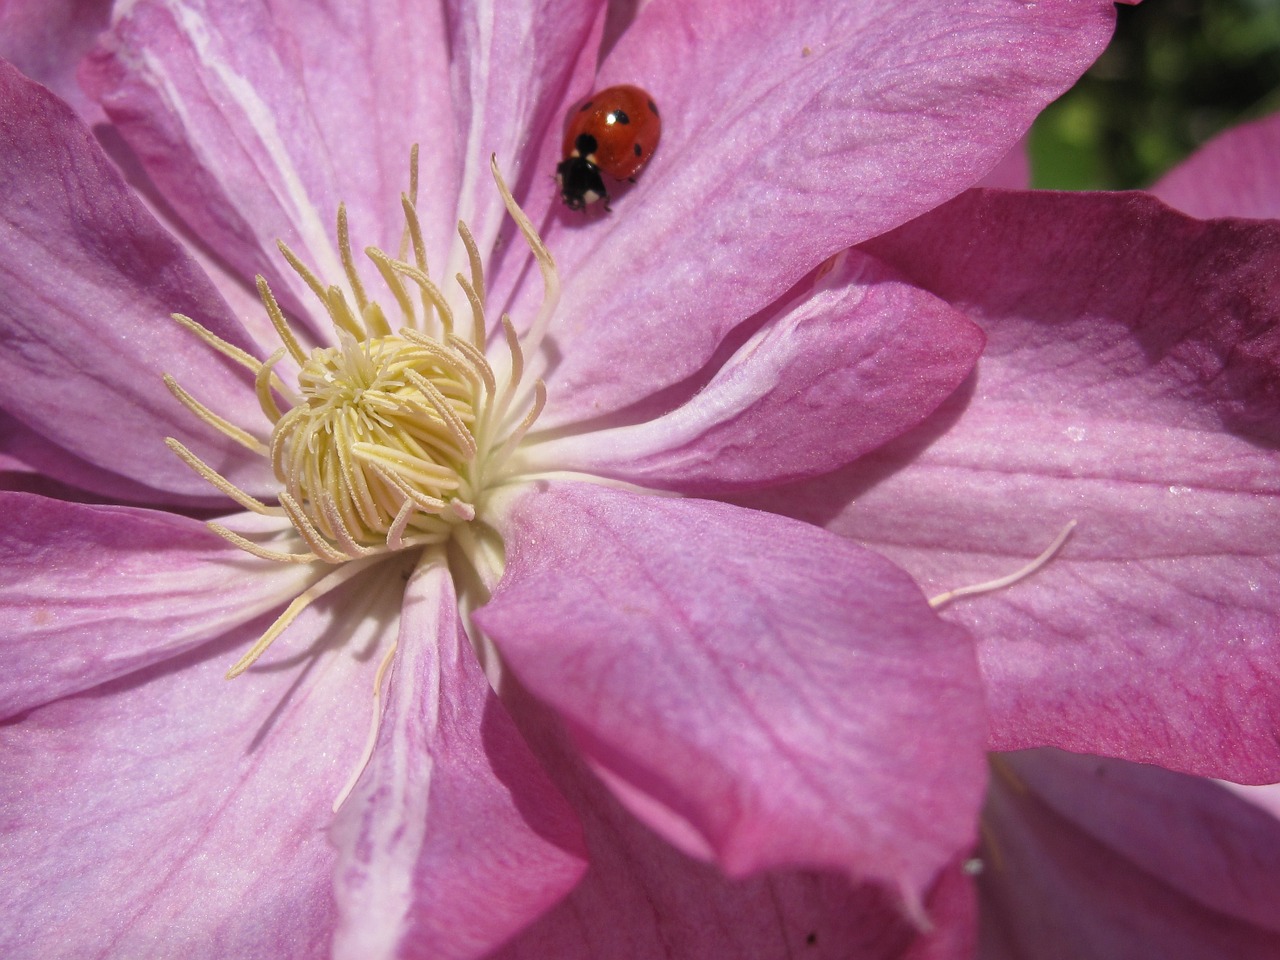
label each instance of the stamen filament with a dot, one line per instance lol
(262, 386)
(265, 553)
(228, 350)
(217, 480)
(303, 600)
(386, 267)
(278, 321)
(508, 447)
(302, 270)
(375, 725)
(1000, 583)
(348, 261)
(225, 427)
(431, 292)
(307, 530)
(546, 263)
(461, 435)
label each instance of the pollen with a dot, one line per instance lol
(390, 437)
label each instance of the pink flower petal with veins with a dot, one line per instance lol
(90, 593)
(90, 280)
(454, 838)
(789, 133)
(842, 368)
(642, 898)
(1129, 383)
(801, 724)
(173, 810)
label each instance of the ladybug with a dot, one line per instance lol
(613, 131)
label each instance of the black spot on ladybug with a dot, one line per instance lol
(638, 150)
(618, 116)
(585, 145)
(654, 108)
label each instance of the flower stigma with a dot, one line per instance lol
(393, 438)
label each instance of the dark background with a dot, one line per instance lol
(1177, 72)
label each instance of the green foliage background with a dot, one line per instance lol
(1176, 73)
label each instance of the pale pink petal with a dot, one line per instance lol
(454, 839)
(175, 813)
(756, 690)
(1234, 175)
(642, 898)
(256, 120)
(790, 132)
(46, 39)
(850, 362)
(91, 593)
(89, 281)
(1130, 384)
(1087, 857)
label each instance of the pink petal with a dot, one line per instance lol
(848, 364)
(1234, 175)
(45, 39)
(178, 814)
(21, 448)
(790, 132)
(90, 280)
(1129, 383)
(454, 839)
(1011, 173)
(643, 898)
(755, 690)
(1096, 858)
(256, 120)
(93, 593)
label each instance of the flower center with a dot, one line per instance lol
(391, 439)
(383, 423)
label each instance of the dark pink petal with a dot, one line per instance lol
(845, 366)
(757, 691)
(91, 593)
(256, 120)
(1129, 383)
(175, 813)
(1234, 175)
(89, 281)
(45, 39)
(454, 838)
(790, 132)
(1088, 857)
(642, 898)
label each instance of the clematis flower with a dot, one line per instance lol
(755, 716)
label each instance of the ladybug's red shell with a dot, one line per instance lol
(614, 131)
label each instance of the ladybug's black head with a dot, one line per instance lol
(580, 183)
